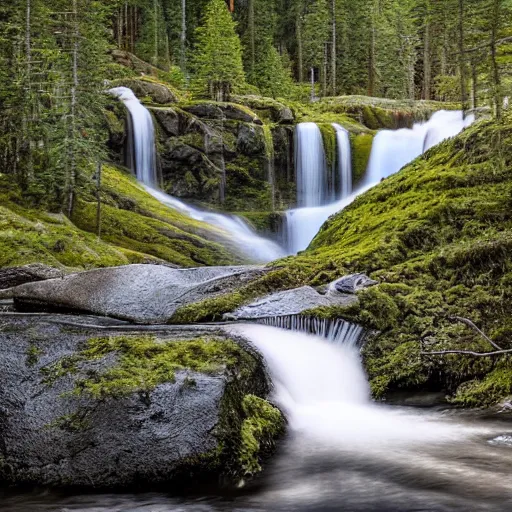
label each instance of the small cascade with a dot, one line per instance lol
(336, 331)
(311, 165)
(232, 229)
(391, 150)
(344, 161)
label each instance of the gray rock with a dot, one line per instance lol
(158, 93)
(145, 294)
(289, 302)
(205, 110)
(352, 283)
(14, 276)
(51, 436)
(250, 140)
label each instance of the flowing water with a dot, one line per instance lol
(342, 452)
(232, 229)
(391, 150)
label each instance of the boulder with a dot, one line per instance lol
(14, 276)
(289, 302)
(204, 110)
(145, 294)
(158, 93)
(250, 140)
(65, 421)
(352, 283)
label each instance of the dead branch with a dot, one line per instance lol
(470, 324)
(468, 352)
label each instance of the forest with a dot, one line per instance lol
(255, 255)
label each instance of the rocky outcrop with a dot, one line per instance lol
(145, 294)
(289, 302)
(157, 92)
(352, 283)
(15, 276)
(100, 409)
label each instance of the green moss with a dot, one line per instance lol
(143, 362)
(329, 140)
(361, 146)
(33, 353)
(263, 423)
(489, 390)
(264, 222)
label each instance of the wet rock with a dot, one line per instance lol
(145, 294)
(250, 140)
(204, 110)
(14, 276)
(52, 433)
(352, 283)
(158, 93)
(289, 302)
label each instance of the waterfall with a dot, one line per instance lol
(311, 165)
(232, 228)
(391, 150)
(143, 133)
(344, 161)
(323, 390)
(337, 331)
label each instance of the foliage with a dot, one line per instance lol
(218, 69)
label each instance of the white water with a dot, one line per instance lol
(391, 150)
(324, 392)
(311, 165)
(344, 160)
(232, 229)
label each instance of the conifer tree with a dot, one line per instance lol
(218, 55)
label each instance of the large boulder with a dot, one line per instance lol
(158, 93)
(14, 276)
(99, 409)
(289, 302)
(145, 294)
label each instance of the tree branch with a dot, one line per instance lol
(468, 352)
(470, 324)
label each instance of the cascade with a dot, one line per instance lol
(391, 150)
(344, 160)
(311, 165)
(337, 331)
(323, 390)
(231, 228)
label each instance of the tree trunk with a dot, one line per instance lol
(155, 50)
(252, 42)
(298, 30)
(496, 81)
(462, 61)
(371, 60)
(183, 36)
(98, 200)
(474, 84)
(333, 50)
(427, 64)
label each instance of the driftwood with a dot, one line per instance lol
(471, 325)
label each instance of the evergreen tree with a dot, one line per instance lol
(217, 60)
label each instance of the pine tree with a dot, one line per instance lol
(217, 60)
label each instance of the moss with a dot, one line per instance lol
(329, 139)
(144, 362)
(263, 423)
(361, 150)
(33, 353)
(487, 391)
(264, 222)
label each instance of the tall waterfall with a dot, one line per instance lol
(391, 150)
(344, 160)
(311, 165)
(231, 227)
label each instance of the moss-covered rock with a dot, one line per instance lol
(361, 151)
(170, 411)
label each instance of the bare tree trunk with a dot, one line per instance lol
(474, 84)
(371, 61)
(427, 64)
(30, 111)
(98, 200)
(183, 36)
(298, 30)
(252, 41)
(74, 88)
(462, 61)
(120, 27)
(155, 52)
(333, 52)
(324, 72)
(495, 70)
